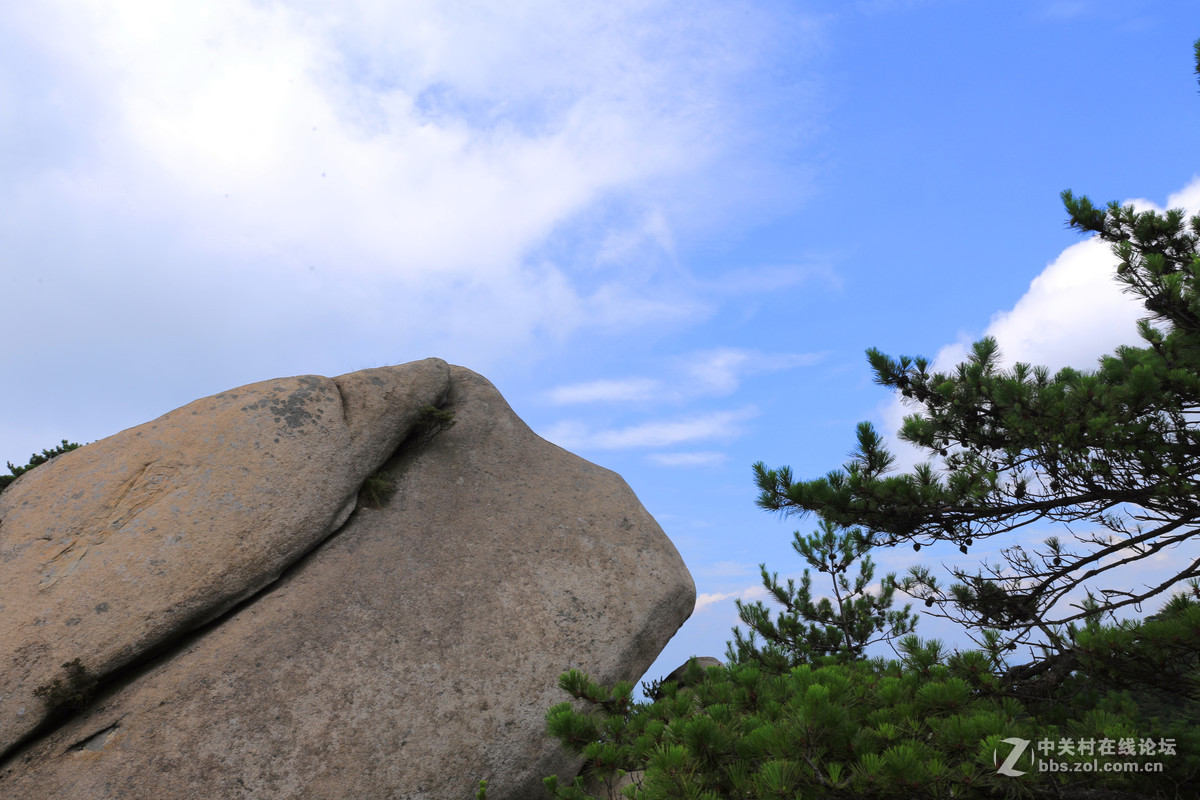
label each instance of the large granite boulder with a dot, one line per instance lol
(257, 640)
(111, 551)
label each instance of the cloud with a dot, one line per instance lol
(718, 372)
(705, 458)
(1187, 198)
(706, 599)
(688, 378)
(772, 278)
(385, 173)
(603, 391)
(712, 426)
(721, 371)
(442, 152)
(651, 234)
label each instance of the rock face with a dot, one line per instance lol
(119, 547)
(412, 653)
(679, 674)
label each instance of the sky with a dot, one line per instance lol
(666, 231)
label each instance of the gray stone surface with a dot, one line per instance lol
(122, 545)
(679, 674)
(411, 654)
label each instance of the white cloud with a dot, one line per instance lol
(652, 233)
(706, 599)
(718, 425)
(717, 371)
(602, 391)
(713, 426)
(721, 371)
(391, 167)
(1187, 198)
(704, 458)
(703, 373)
(1072, 312)
(774, 277)
(263, 105)
(613, 307)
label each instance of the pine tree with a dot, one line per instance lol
(926, 725)
(1112, 453)
(842, 624)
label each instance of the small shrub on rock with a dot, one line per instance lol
(69, 694)
(35, 460)
(377, 489)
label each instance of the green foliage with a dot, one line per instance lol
(431, 421)
(807, 716)
(928, 725)
(69, 694)
(377, 489)
(1156, 660)
(842, 624)
(35, 460)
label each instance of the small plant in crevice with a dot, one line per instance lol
(71, 694)
(377, 489)
(380, 486)
(431, 421)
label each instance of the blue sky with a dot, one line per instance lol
(666, 231)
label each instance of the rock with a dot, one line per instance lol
(411, 654)
(114, 549)
(679, 674)
(610, 787)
